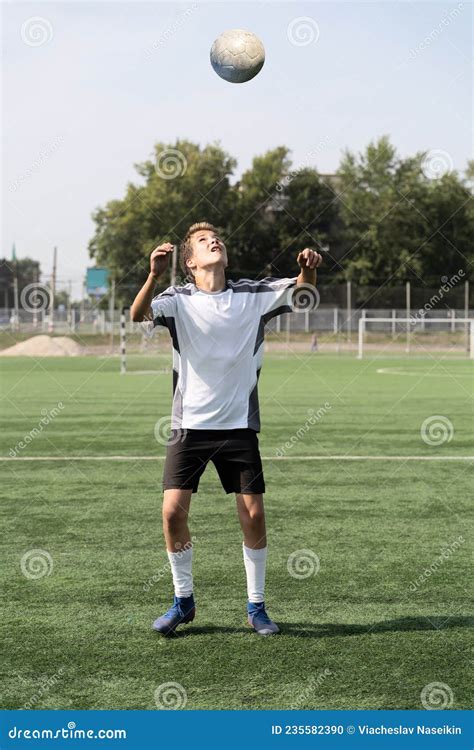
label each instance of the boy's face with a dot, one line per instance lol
(208, 251)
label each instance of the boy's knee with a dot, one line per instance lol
(174, 517)
(256, 516)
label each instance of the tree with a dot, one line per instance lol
(377, 221)
(254, 236)
(308, 219)
(384, 219)
(398, 223)
(27, 272)
(182, 184)
(469, 172)
(450, 243)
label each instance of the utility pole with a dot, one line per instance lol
(35, 311)
(349, 311)
(53, 291)
(83, 301)
(111, 313)
(16, 306)
(408, 306)
(466, 313)
(69, 305)
(16, 314)
(174, 264)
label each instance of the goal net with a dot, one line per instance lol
(144, 350)
(418, 336)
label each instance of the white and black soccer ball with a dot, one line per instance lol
(237, 55)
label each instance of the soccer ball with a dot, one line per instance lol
(237, 55)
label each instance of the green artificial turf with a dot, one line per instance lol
(368, 629)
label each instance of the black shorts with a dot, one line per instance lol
(234, 453)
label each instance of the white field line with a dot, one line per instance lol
(264, 458)
(418, 373)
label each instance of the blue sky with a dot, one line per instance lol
(112, 78)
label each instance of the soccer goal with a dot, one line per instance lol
(144, 350)
(420, 336)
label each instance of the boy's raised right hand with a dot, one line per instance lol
(159, 259)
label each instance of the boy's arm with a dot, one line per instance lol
(141, 306)
(308, 260)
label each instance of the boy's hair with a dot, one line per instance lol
(186, 251)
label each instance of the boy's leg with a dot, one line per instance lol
(252, 521)
(176, 504)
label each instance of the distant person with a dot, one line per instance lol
(314, 342)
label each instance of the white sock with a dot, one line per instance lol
(254, 561)
(181, 567)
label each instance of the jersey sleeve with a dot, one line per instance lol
(275, 296)
(163, 307)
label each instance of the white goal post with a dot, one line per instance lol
(144, 350)
(412, 327)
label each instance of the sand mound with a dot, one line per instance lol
(44, 346)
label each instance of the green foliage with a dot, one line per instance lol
(450, 209)
(160, 210)
(397, 223)
(384, 220)
(253, 234)
(27, 272)
(309, 218)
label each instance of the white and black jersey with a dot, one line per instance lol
(218, 349)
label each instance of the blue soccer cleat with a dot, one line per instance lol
(182, 612)
(259, 620)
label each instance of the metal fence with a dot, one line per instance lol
(64, 322)
(337, 320)
(324, 319)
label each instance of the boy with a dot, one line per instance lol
(217, 329)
